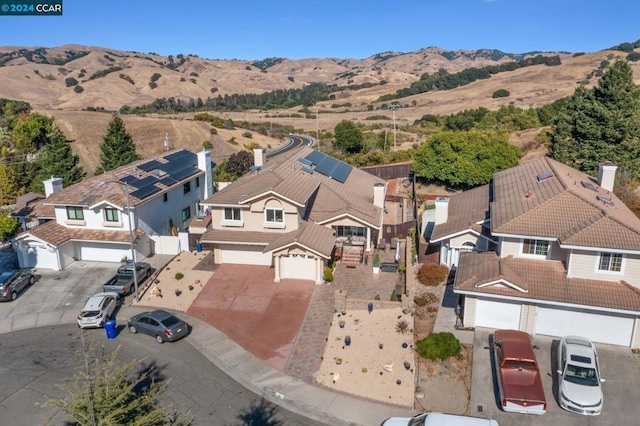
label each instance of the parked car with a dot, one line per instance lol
(579, 381)
(98, 309)
(160, 324)
(439, 419)
(13, 282)
(122, 282)
(518, 376)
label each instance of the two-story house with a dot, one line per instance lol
(96, 218)
(545, 249)
(290, 211)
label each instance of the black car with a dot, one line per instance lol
(13, 282)
(160, 324)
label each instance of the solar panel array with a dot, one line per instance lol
(178, 166)
(328, 166)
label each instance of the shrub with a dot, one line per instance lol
(431, 274)
(376, 259)
(156, 76)
(70, 82)
(402, 326)
(78, 89)
(247, 135)
(179, 275)
(127, 78)
(328, 274)
(438, 346)
(633, 57)
(213, 131)
(153, 84)
(500, 93)
(377, 297)
(394, 296)
(207, 145)
(232, 141)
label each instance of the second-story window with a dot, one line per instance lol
(75, 213)
(187, 187)
(111, 215)
(535, 247)
(165, 197)
(611, 262)
(274, 215)
(186, 213)
(232, 213)
(198, 182)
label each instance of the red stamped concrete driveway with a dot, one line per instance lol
(261, 316)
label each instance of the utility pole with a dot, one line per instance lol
(394, 107)
(317, 127)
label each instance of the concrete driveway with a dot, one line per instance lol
(619, 366)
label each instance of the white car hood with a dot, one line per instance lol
(583, 395)
(397, 421)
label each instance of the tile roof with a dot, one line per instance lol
(55, 234)
(93, 190)
(322, 195)
(464, 212)
(542, 280)
(561, 206)
(32, 205)
(228, 236)
(319, 239)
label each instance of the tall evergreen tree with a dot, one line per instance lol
(349, 137)
(57, 159)
(117, 148)
(8, 185)
(601, 124)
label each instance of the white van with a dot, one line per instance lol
(439, 419)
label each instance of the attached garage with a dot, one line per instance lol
(35, 255)
(102, 252)
(298, 267)
(244, 255)
(599, 327)
(500, 315)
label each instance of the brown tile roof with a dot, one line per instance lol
(228, 236)
(55, 234)
(32, 205)
(319, 239)
(464, 211)
(92, 190)
(560, 207)
(283, 175)
(542, 280)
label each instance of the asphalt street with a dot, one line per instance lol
(35, 361)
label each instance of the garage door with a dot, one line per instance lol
(299, 267)
(612, 329)
(499, 315)
(103, 252)
(244, 255)
(38, 256)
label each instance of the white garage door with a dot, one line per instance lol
(244, 255)
(615, 330)
(103, 252)
(499, 315)
(299, 267)
(38, 256)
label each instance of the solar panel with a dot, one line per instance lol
(145, 191)
(149, 180)
(181, 174)
(307, 169)
(150, 165)
(131, 180)
(544, 175)
(327, 166)
(305, 161)
(316, 157)
(167, 181)
(184, 157)
(341, 172)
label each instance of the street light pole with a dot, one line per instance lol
(317, 128)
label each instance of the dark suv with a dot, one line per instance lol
(13, 282)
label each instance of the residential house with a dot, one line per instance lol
(97, 218)
(545, 249)
(292, 211)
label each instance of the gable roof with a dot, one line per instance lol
(566, 205)
(146, 179)
(322, 196)
(466, 210)
(316, 238)
(30, 205)
(543, 280)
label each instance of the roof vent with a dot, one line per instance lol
(589, 185)
(605, 200)
(544, 175)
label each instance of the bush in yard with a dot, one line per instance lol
(438, 346)
(328, 274)
(432, 275)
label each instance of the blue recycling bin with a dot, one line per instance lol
(110, 328)
(198, 247)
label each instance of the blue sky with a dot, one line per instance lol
(249, 30)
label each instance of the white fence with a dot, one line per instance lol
(165, 244)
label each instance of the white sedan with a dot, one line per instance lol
(579, 380)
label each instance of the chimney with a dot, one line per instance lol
(259, 157)
(442, 210)
(204, 164)
(378, 194)
(607, 175)
(52, 185)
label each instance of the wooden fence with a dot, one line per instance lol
(389, 171)
(390, 231)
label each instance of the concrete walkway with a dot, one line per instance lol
(290, 393)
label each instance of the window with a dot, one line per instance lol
(111, 215)
(198, 182)
(535, 247)
(274, 215)
(350, 231)
(186, 213)
(165, 197)
(75, 213)
(611, 262)
(187, 187)
(232, 213)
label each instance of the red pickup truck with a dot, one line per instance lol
(519, 380)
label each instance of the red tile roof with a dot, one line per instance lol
(540, 280)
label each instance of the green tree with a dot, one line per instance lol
(31, 132)
(102, 393)
(8, 225)
(57, 159)
(501, 93)
(348, 137)
(8, 185)
(117, 148)
(239, 163)
(465, 159)
(601, 124)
